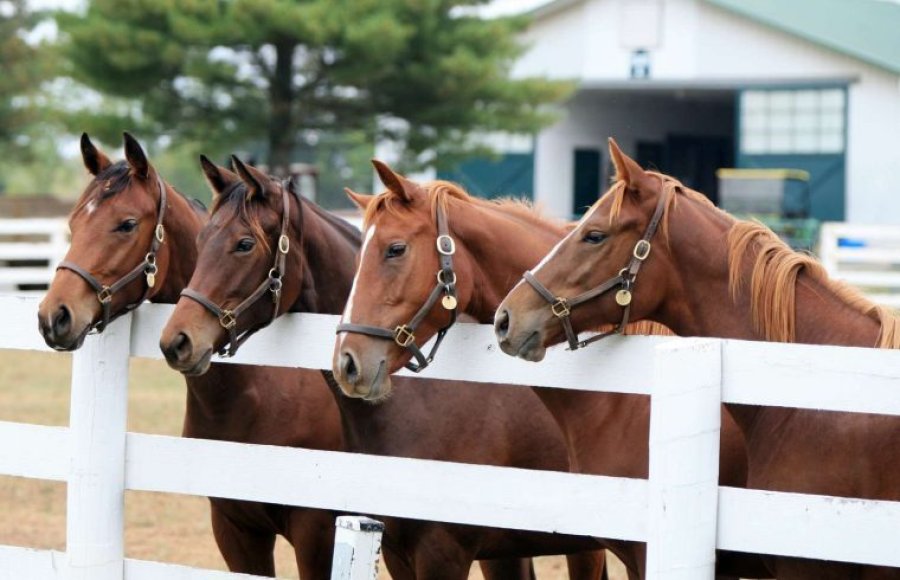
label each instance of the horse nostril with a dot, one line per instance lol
(351, 372)
(501, 324)
(62, 321)
(179, 349)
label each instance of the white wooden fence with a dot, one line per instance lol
(14, 251)
(680, 511)
(867, 256)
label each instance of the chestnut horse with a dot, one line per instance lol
(709, 274)
(113, 225)
(494, 242)
(250, 226)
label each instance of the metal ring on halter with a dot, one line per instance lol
(227, 319)
(160, 233)
(151, 268)
(641, 250)
(104, 295)
(284, 244)
(440, 279)
(451, 245)
(560, 308)
(403, 336)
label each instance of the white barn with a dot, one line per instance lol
(690, 86)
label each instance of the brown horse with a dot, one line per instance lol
(113, 225)
(510, 428)
(606, 433)
(711, 275)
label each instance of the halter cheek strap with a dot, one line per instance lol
(147, 268)
(625, 281)
(228, 318)
(404, 335)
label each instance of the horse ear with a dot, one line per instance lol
(627, 169)
(217, 177)
(135, 156)
(396, 183)
(94, 159)
(253, 177)
(361, 200)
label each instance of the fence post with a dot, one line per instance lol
(685, 420)
(96, 486)
(357, 547)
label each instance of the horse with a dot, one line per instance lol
(493, 243)
(126, 210)
(255, 218)
(709, 274)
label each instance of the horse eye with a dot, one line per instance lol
(127, 226)
(395, 250)
(594, 237)
(245, 245)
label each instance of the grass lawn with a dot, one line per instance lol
(34, 388)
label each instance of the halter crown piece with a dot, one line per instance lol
(147, 267)
(404, 335)
(228, 318)
(624, 281)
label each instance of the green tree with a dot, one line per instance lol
(282, 73)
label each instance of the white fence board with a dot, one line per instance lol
(872, 263)
(19, 330)
(29, 564)
(809, 526)
(34, 451)
(864, 380)
(411, 488)
(145, 570)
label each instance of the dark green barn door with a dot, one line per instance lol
(587, 180)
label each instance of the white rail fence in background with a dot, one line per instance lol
(866, 256)
(680, 511)
(16, 251)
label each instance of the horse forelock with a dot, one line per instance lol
(773, 284)
(234, 204)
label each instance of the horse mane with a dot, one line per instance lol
(441, 193)
(773, 285)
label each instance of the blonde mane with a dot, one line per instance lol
(773, 285)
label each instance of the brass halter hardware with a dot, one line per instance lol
(404, 334)
(624, 281)
(147, 267)
(272, 284)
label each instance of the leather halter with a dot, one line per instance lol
(147, 267)
(404, 334)
(228, 317)
(624, 280)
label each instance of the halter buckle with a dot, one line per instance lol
(284, 244)
(403, 336)
(104, 295)
(227, 319)
(641, 250)
(560, 308)
(445, 240)
(160, 233)
(442, 282)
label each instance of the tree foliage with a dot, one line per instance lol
(282, 72)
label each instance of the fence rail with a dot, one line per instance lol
(679, 511)
(867, 256)
(17, 255)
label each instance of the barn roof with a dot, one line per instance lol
(866, 30)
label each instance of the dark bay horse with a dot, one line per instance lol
(113, 225)
(709, 274)
(494, 242)
(494, 426)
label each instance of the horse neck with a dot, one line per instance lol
(182, 223)
(329, 261)
(500, 247)
(700, 300)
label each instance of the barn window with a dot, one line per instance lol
(792, 121)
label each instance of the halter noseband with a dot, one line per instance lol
(404, 334)
(273, 283)
(147, 267)
(625, 280)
